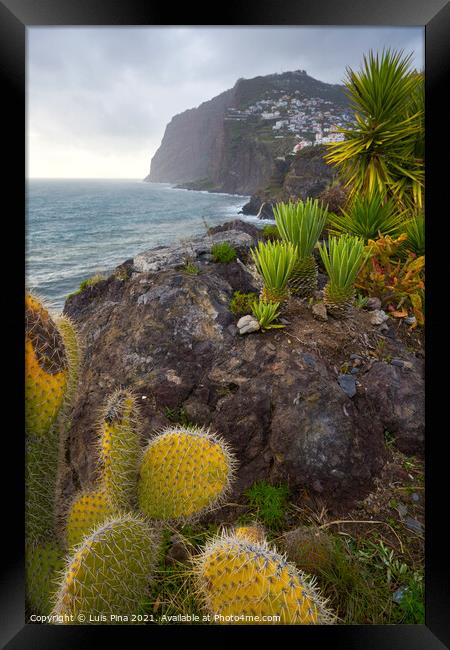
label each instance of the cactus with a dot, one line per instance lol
(41, 459)
(73, 350)
(119, 450)
(239, 578)
(87, 511)
(184, 473)
(46, 368)
(109, 572)
(43, 563)
(52, 357)
(253, 533)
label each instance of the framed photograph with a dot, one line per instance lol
(226, 379)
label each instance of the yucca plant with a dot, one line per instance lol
(266, 313)
(415, 231)
(275, 262)
(384, 148)
(342, 260)
(301, 224)
(369, 217)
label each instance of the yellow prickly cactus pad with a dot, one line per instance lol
(46, 368)
(87, 511)
(72, 348)
(43, 563)
(109, 572)
(184, 472)
(119, 449)
(253, 533)
(243, 582)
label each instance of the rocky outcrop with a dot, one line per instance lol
(275, 396)
(203, 148)
(301, 176)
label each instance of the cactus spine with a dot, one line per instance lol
(109, 571)
(239, 578)
(184, 473)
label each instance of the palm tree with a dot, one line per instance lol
(384, 148)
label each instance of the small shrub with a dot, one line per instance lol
(241, 303)
(266, 313)
(398, 283)
(269, 502)
(271, 233)
(85, 284)
(224, 253)
(190, 268)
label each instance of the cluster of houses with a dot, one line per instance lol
(312, 119)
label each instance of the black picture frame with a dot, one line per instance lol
(15, 17)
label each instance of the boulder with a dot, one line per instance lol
(274, 396)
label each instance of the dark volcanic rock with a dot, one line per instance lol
(171, 338)
(397, 397)
(307, 175)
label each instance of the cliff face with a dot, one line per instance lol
(190, 142)
(300, 176)
(227, 145)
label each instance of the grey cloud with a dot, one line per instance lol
(117, 88)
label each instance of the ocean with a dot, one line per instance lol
(78, 228)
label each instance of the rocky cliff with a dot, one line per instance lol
(226, 145)
(307, 405)
(295, 176)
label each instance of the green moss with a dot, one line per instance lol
(223, 253)
(85, 284)
(269, 503)
(241, 303)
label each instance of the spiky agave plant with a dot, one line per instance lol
(383, 148)
(301, 224)
(342, 260)
(415, 231)
(275, 262)
(266, 313)
(368, 217)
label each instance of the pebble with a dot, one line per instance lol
(354, 371)
(415, 497)
(253, 326)
(348, 384)
(402, 509)
(320, 311)
(245, 320)
(410, 320)
(353, 357)
(402, 364)
(378, 317)
(414, 525)
(247, 324)
(373, 304)
(309, 360)
(398, 595)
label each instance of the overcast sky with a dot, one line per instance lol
(98, 99)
